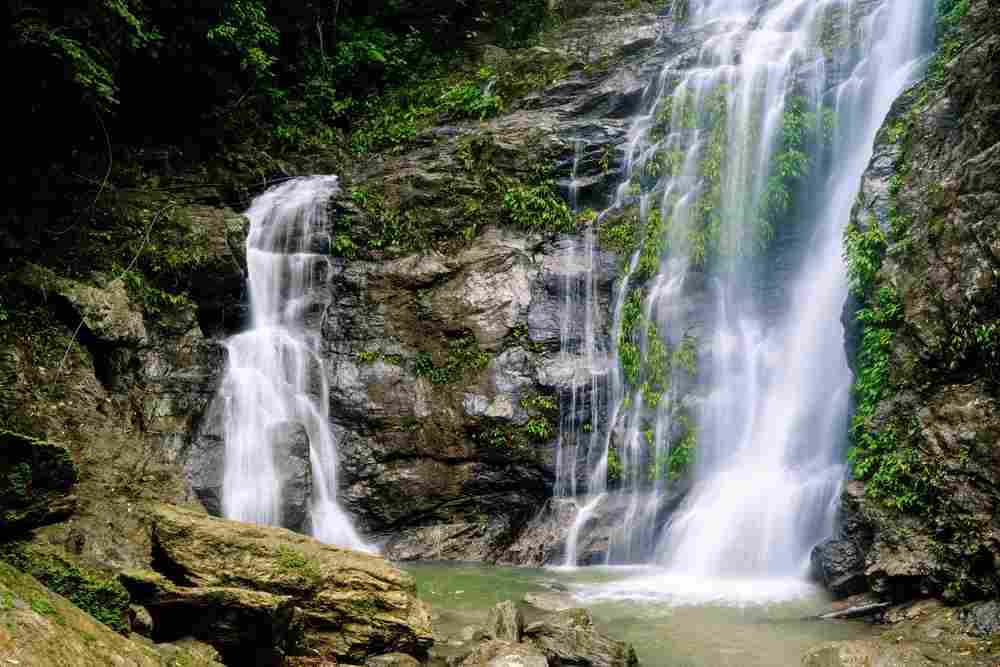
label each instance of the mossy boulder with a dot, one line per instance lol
(316, 600)
(36, 480)
(96, 593)
(39, 627)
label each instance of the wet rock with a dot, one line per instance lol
(504, 654)
(569, 637)
(505, 622)
(36, 483)
(346, 605)
(204, 468)
(290, 444)
(840, 566)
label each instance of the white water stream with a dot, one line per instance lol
(275, 380)
(769, 400)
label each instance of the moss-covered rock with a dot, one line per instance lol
(342, 604)
(38, 627)
(923, 252)
(36, 483)
(96, 593)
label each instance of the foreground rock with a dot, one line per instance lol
(498, 653)
(923, 634)
(570, 638)
(38, 627)
(259, 593)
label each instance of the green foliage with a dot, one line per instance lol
(19, 479)
(469, 99)
(685, 355)
(629, 354)
(656, 367)
(153, 299)
(789, 165)
(246, 30)
(102, 597)
(863, 251)
(620, 233)
(653, 245)
(538, 208)
(523, 24)
(290, 562)
(616, 470)
(672, 464)
(882, 456)
(463, 354)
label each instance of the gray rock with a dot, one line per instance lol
(505, 622)
(291, 455)
(204, 465)
(569, 637)
(142, 620)
(981, 619)
(840, 565)
(549, 601)
(392, 660)
(505, 654)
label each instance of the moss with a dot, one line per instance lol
(292, 563)
(462, 355)
(97, 594)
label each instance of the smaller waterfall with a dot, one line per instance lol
(280, 455)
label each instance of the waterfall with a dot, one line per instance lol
(280, 455)
(728, 380)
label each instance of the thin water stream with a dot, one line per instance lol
(666, 630)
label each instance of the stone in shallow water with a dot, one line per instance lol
(505, 654)
(569, 637)
(505, 622)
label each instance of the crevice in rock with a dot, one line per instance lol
(166, 566)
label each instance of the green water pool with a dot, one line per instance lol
(671, 621)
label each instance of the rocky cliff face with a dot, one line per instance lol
(924, 256)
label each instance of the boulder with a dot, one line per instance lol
(498, 653)
(505, 622)
(290, 444)
(392, 660)
(38, 627)
(570, 638)
(246, 626)
(347, 605)
(549, 601)
(36, 480)
(840, 565)
(981, 619)
(865, 652)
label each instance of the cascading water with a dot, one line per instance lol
(274, 385)
(731, 374)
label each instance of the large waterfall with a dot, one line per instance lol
(726, 377)
(280, 456)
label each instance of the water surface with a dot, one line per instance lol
(670, 622)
